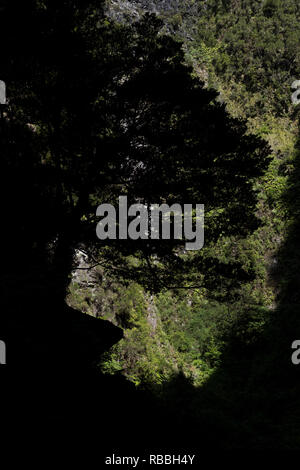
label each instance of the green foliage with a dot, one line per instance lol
(260, 48)
(110, 363)
(270, 7)
(253, 72)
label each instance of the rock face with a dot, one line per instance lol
(135, 8)
(178, 16)
(152, 316)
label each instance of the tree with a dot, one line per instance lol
(113, 110)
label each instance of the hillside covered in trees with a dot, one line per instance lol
(164, 102)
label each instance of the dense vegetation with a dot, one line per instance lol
(102, 104)
(253, 77)
(249, 52)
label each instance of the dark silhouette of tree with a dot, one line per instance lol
(114, 110)
(96, 110)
